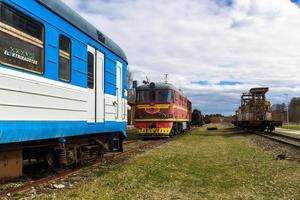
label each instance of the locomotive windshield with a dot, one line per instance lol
(162, 96)
(165, 96)
(142, 97)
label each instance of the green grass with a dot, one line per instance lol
(289, 135)
(293, 127)
(203, 165)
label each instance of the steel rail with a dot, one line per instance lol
(295, 142)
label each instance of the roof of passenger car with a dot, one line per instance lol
(64, 11)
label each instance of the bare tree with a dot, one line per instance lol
(279, 112)
(129, 78)
(294, 110)
(131, 91)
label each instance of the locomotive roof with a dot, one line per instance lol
(160, 86)
(259, 90)
(61, 9)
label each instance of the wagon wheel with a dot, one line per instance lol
(50, 162)
(271, 129)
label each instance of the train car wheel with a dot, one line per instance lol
(50, 162)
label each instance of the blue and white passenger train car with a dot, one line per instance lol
(63, 86)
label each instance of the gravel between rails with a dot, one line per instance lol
(276, 148)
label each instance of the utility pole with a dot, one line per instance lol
(287, 109)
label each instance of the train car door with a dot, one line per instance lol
(100, 87)
(119, 92)
(91, 58)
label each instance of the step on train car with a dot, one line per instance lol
(161, 110)
(255, 112)
(62, 87)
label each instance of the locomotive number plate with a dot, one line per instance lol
(150, 130)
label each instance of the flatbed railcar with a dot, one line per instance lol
(161, 111)
(255, 112)
(62, 87)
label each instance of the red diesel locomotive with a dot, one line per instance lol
(161, 110)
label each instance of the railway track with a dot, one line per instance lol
(295, 142)
(62, 175)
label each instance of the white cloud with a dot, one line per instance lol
(256, 42)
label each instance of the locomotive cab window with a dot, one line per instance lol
(64, 58)
(152, 96)
(166, 96)
(21, 41)
(90, 80)
(142, 97)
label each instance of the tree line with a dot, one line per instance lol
(280, 111)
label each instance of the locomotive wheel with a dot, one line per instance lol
(180, 128)
(171, 134)
(177, 130)
(174, 132)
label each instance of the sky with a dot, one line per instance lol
(212, 49)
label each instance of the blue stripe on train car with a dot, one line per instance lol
(29, 131)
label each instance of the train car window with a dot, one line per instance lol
(166, 96)
(180, 100)
(21, 41)
(90, 80)
(64, 58)
(176, 98)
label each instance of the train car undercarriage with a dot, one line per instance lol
(266, 125)
(57, 154)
